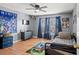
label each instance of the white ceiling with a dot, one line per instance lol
(52, 8)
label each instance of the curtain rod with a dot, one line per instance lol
(45, 17)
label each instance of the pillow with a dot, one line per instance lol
(64, 35)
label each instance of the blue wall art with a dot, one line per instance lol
(9, 21)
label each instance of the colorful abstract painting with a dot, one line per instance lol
(9, 21)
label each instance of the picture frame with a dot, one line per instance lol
(65, 22)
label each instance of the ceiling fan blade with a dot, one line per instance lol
(43, 7)
(42, 10)
(30, 8)
(32, 5)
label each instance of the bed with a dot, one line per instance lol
(57, 46)
(63, 44)
(63, 41)
(64, 38)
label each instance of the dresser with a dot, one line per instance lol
(26, 35)
(6, 41)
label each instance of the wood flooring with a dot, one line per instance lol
(21, 47)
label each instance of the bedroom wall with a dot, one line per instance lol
(20, 17)
(52, 15)
(74, 20)
(78, 27)
(33, 24)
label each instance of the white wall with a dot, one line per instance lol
(78, 33)
(78, 27)
(20, 16)
(33, 25)
(74, 20)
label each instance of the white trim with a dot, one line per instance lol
(16, 41)
(34, 36)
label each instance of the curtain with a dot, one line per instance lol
(48, 28)
(39, 29)
(58, 24)
(47, 23)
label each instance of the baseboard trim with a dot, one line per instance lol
(16, 41)
(35, 37)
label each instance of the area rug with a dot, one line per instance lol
(38, 49)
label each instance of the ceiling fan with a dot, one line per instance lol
(37, 8)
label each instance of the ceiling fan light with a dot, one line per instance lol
(36, 11)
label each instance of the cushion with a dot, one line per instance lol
(64, 35)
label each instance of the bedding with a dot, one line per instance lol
(63, 41)
(64, 35)
(55, 48)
